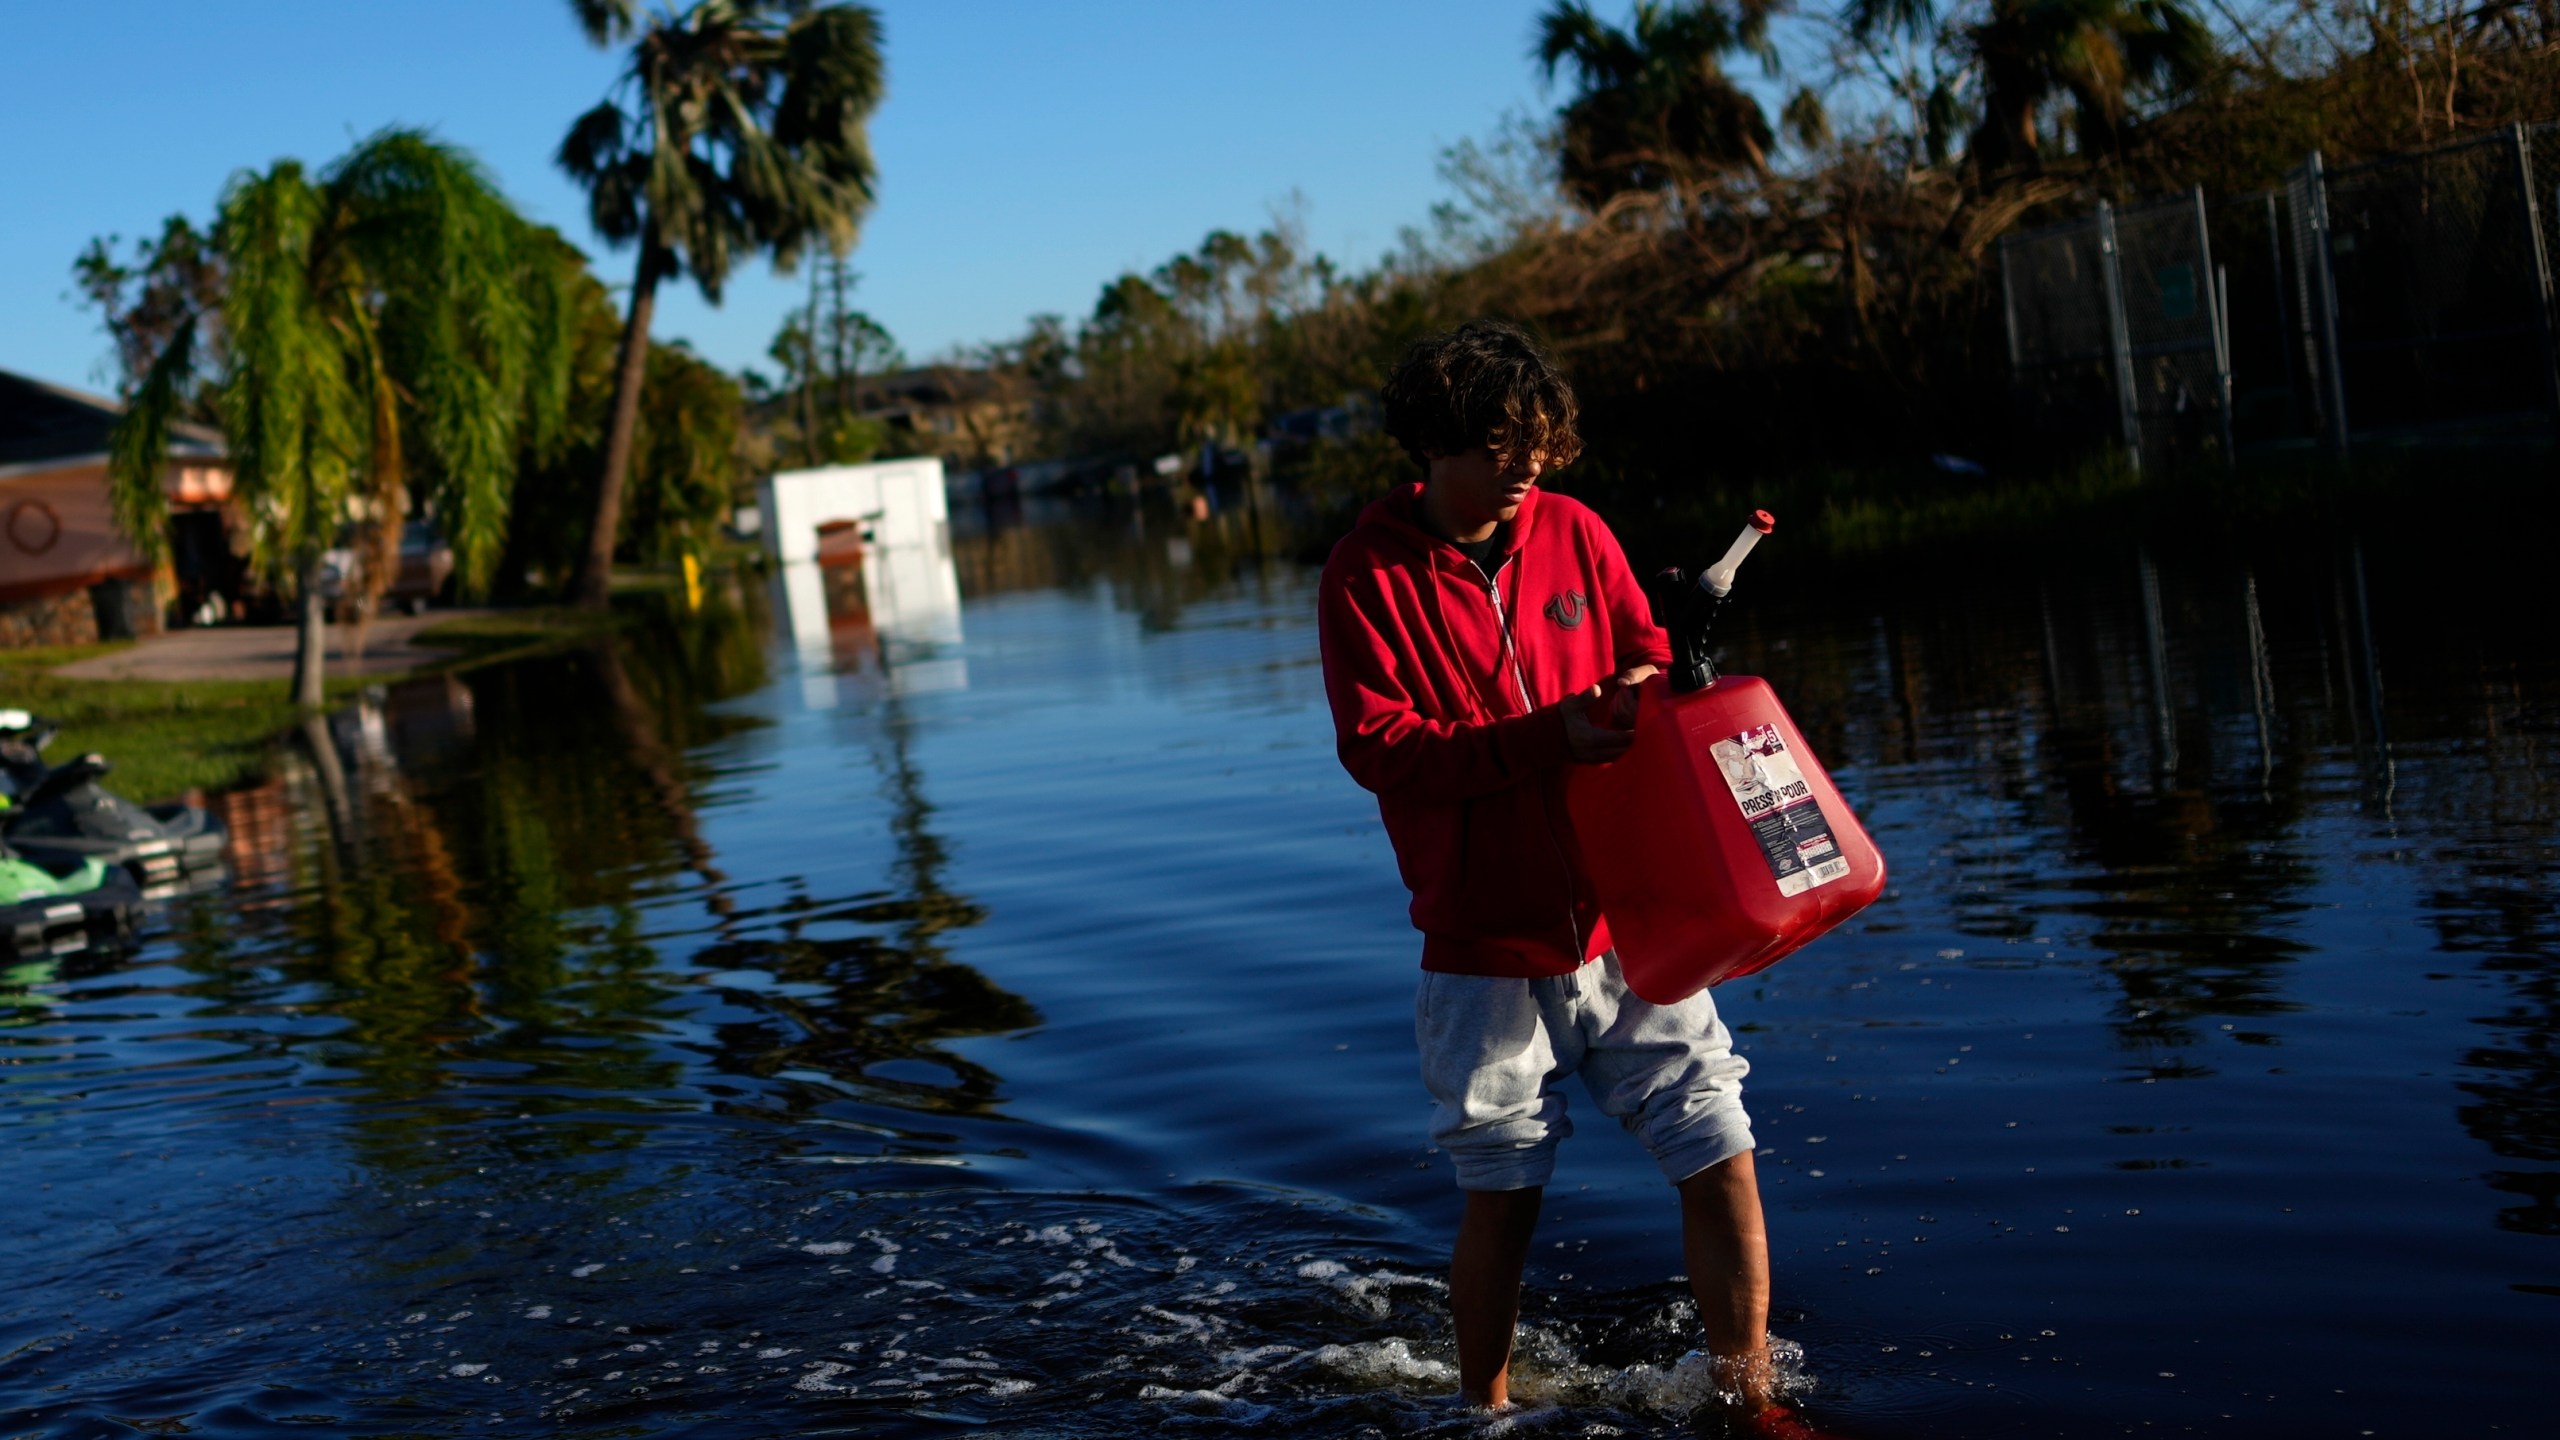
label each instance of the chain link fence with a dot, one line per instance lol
(2116, 327)
(2405, 297)
(2269, 402)
(2442, 303)
(2061, 332)
(2173, 308)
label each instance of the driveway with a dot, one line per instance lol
(265, 652)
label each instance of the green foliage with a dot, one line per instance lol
(555, 498)
(685, 469)
(470, 304)
(171, 283)
(1814, 321)
(737, 127)
(2094, 53)
(1337, 480)
(391, 331)
(1209, 346)
(849, 440)
(824, 351)
(164, 738)
(139, 445)
(687, 461)
(1653, 106)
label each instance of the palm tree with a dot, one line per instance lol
(2093, 52)
(394, 306)
(1653, 106)
(737, 126)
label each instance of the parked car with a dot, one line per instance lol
(426, 563)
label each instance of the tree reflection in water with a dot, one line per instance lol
(2177, 829)
(871, 1010)
(491, 923)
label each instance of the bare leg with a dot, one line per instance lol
(1484, 1288)
(1726, 1243)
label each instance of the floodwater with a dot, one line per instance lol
(704, 1035)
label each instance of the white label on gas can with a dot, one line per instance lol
(1777, 802)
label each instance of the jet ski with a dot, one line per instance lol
(62, 811)
(48, 902)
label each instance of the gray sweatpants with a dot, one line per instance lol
(1496, 1052)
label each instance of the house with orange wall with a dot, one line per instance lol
(68, 576)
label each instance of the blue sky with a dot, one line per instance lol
(1028, 151)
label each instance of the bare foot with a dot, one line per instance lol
(1750, 1378)
(1747, 1405)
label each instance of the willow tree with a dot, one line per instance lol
(737, 127)
(391, 328)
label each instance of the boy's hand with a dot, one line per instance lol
(1588, 741)
(1621, 691)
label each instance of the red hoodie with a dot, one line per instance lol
(1456, 731)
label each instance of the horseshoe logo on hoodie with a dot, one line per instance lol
(1567, 609)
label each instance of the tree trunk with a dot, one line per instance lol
(314, 640)
(595, 578)
(843, 339)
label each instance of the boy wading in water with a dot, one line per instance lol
(1468, 622)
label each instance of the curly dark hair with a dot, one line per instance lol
(1485, 383)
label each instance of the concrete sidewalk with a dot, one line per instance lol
(265, 652)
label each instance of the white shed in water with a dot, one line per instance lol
(904, 614)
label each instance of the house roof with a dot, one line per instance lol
(41, 422)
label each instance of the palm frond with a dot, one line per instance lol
(2167, 44)
(833, 77)
(605, 21)
(595, 142)
(1570, 31)
(746, 132)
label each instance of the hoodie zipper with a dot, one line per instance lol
(1520, 680)
(1502, 622)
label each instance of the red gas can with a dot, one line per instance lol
(1717, 843)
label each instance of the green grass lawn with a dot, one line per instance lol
(163, 738)
(167, 737)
